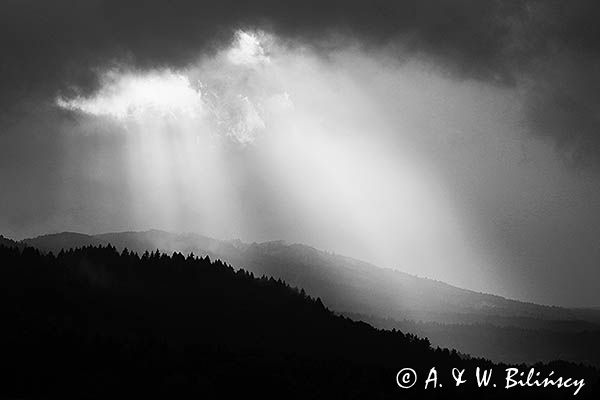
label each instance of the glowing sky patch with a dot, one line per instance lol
(229, 95)
(313, 158)
(247, 50)
(366, 157)
(165, 93)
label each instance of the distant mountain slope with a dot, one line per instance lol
(534, 341)
(64, 240)
(345, 284)
(383, 296)
(96, 323)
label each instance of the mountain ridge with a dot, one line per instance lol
(353, 287)
(172, 325)
(236, 252)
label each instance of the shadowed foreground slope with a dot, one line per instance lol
(481, 324)
(94, 322)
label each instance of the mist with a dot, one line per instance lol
(392, 160)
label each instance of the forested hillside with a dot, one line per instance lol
(480, 324)
(94, 322)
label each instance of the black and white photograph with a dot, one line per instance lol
(299, 199)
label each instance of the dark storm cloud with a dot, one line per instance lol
(53, 45)
(558, 59)
(548, 48)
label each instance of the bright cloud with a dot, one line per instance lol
(164, 93)
(247, 50)
(246, 120)
(226, 93)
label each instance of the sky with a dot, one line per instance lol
(455, 140)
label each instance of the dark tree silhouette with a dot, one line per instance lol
(96, 323)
